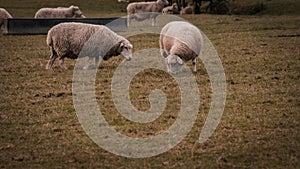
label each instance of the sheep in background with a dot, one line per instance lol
(76, 16)
(73, 40)
(60, 12)
(190, 9)
(180, 42)
(171, 9)
(150, 9)
(3, 15)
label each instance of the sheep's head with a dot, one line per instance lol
(123, 48)
(174, 64)
(163, 2)
(126, 50)
(175, 6)
(76, 10)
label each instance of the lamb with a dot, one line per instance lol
(190, 9)
(171, 9)
(73, 40)
(60, 12)
(180, 42)
(145, 10)
(3, 15)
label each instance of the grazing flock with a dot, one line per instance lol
(179, 41)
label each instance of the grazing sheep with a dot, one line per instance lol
(145, 10)
(73, 40)
(190, 9)
(3, 15)
(76, 16)
(171, 9)
(60, 12)
(180, 42)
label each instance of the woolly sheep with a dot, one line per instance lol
(171, 9)
(76, 16)
(73, 40)
(145, 10)
(190, 9)
(60, 12)
(3, 15)
(180, 42)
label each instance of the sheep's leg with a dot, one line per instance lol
(52, 58)
(194, 65)
(168, 66)
(62, 63)
(89, 63)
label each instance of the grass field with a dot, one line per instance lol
(259, 127)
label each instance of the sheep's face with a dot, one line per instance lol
(76, 11)
(163, 2)
(174, 64)
(175, 6)
(126, 50)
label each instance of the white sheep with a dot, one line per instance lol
(76, 16)
(171, 9)
(145, 10)
(189, 9)
(73, 40)
(60, 12)
(3, 15)
(180, 42)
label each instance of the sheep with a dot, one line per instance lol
(76, 16)
(73, 40)
(180, 42)
(171, 9)
(60, 12)
(150, 9)
(3, 15)
(190, 9)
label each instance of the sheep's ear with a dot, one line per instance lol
(122, 45)
(180, 61)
